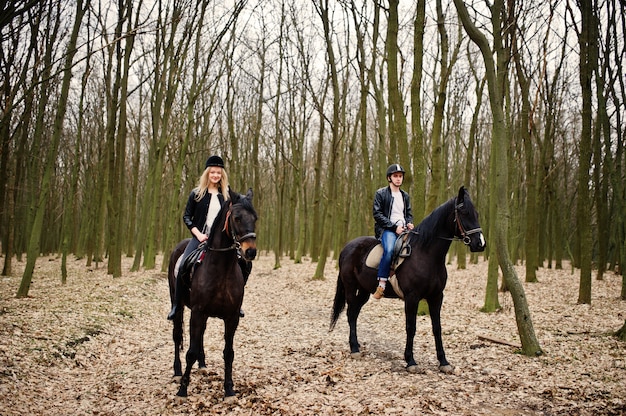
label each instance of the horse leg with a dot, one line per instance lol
(201, 356)
(177, 335)
(355, 303)
(410, 313)
(230, 326)
(434, 305)
(197, 326)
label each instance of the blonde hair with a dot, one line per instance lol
(203, 184)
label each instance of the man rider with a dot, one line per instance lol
(392, 214)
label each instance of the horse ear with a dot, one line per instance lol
(461, 196)
(249, 194)
(234, 196)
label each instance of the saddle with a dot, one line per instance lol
(191, 261)
(401, 250)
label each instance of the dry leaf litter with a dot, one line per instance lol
(102, 346)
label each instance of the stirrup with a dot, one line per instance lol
(379, 293)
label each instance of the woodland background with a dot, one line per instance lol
(109, 110)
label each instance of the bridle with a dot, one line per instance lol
(464, 233)
(237, 240)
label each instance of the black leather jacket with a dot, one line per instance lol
(382, 210)
(196, 211)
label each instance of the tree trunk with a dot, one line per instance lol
(367, 187)
(418, 185)
(583, 217)
(435, 193)
(70, 213)
(50, 162)
(471, 162)
(492, 302)
(331, 206)
(397, 119)
(526, 131)
(495, 76)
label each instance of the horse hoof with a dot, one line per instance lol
(356, 355)
(180, 400)
(413, 369)
(230, 399)
(447, 369)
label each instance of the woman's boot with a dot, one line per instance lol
(177, 298)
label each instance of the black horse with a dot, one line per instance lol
(217, 286)
(422, 275)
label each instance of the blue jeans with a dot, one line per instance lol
(388, 240)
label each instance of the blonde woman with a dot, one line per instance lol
(203, 205)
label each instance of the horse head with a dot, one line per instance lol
(242, 224)
(466, 219)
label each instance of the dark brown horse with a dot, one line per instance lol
(422, 275)
(217, 286)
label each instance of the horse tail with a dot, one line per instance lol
(339, 303)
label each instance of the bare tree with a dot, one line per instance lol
(322, 8)
(418, 185)
(446, 64)
(49, 163)
(588, 61)
(398, 140)
(495, 72)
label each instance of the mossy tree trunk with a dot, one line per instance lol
(51, 155)
(496, 74)
(331, 209)
(586, 39)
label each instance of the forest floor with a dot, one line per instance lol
(102, 346)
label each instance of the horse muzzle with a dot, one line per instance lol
(475, 241)
(249, 253)
(248, 247)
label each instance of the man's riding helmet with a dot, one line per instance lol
(395, 168)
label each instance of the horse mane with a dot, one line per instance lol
(219, 221)
(424, 232)
(246, 203)
(235, 199)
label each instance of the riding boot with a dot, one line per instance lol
(246, 269)
(380, 289)
(177, 298)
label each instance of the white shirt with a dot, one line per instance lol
(397, 209)
(214, 208)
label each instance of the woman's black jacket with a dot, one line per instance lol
(196, 211)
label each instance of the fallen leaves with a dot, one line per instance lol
(102, 346)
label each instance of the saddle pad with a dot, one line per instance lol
(373, 260)
(396, 287)
(374, 256)
(376, 253)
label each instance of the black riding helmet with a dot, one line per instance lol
(395, 168)
(214, 161)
